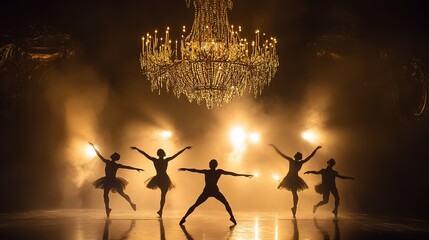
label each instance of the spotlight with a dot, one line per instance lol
(309, 136)
(254, 138)
(166, 134)
(90, 152)
(237, 136)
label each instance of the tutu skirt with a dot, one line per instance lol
(321, 188)
(161, 182)
(292, 183)
(115, 184)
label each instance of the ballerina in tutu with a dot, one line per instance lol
(328, 185)
(292, 181)
(110, 182)
(161, 180)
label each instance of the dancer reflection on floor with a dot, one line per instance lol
(328, 185)
(110, 182)
(211, 189)
(292, 181)
(161, 180)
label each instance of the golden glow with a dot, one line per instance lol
(256, 229)
(254, 138)
(256, 174)
(276, 177)
(237, 136)
(166, 134)
(90, 152)
(309, 136)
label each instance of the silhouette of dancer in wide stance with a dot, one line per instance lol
(328, 185)
(161, 180)
(110, 182)
(292, 181)
(211, 189)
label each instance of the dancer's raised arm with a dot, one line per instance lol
(236, 174)
(142, 152)
(177, 154)
(280, 153)
(97, 152)
(313, 172)
(192, 170)
(312, 154)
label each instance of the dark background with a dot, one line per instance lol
(357, 51)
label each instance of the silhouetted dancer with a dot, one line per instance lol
(295, 230)
(292, 181)
(110, 182)
(161, 229)
(161, 180)
(124, 236)
(211, 189)
(328, 185)
(325, 233)
(187, 235)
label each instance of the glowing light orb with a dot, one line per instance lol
(256, 174)
(166, 134)
(237, 136)
(90, 152)
(254, 138)
(276, 177)
(309, 136)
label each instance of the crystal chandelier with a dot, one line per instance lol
(213, 63)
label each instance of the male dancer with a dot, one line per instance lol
(211, 189)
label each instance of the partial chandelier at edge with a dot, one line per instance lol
(213, 63)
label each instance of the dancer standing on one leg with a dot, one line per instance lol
(328, 185)
(161, 180)
(211, 189)
(110, 181)
(292, 181)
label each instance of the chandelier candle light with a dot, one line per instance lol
(213, 63)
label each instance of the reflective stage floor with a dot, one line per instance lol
(92, 224)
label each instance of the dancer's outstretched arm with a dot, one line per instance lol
(192, 170)
(345, 177)
(142, 152)
(131, 168)
(280, 153)
(236, 174)
(313, 172)
(312, 154)
(177, 154)
(97, 152)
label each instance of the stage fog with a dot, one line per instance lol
(338, 85)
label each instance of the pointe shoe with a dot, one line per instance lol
(133, 205)
(293, 211)
(335, 212)
(108, 210)
(182, 221)
(314, 209)
(232, 219)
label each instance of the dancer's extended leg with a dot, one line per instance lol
(337, 201)
(106, 201)
(162, 201)
(323, 202)
(219, 196)
(121, 192)
(202, 198)
(295, 202)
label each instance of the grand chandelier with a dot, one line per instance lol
(213, 63)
